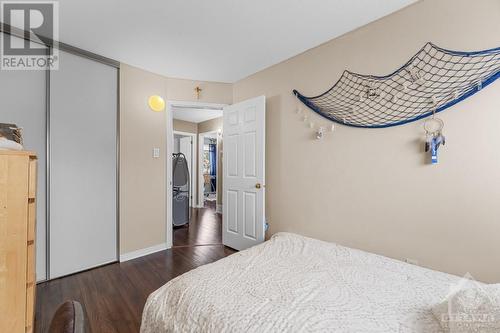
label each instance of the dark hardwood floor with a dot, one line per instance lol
(205, 228)
(114, 295)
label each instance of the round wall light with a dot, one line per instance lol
(156, 103)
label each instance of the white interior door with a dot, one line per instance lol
(186, 147)
(243, 218)
(83, 113)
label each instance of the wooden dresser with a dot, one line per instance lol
(17, 240)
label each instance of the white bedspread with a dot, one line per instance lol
(297, 284)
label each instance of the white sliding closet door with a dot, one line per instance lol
(22, 102)
(83, 115)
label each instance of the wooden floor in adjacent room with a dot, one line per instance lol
(114, 295)
(205, 228)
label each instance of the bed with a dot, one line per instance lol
(293, 283)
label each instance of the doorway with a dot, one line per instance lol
(185, 143)
(198, 222)
(209, 170)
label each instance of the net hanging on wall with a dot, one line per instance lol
(431, 81)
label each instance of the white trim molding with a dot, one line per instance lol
(185, 133)
(219, 209)
(142, 252)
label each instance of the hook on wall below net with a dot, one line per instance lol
(433, 125)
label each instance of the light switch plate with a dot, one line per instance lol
(156, 152)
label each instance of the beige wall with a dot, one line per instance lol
(369, 188)
(215, 125)
(185, 126)
(142, 178)
(210, 125)
(360, 187)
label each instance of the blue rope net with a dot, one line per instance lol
(431, 81)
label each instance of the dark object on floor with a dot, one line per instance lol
(11, 132)
(69, 318)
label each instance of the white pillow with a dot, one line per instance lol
(6, 144)
(472, 309)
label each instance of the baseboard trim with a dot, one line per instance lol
(142, 252)
(218, 209)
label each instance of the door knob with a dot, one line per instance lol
(257, 185)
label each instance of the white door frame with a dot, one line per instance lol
(201, 140)
(194, 160)
(168, 156)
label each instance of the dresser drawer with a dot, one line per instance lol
(31, 220)
(30, 306)
(32, 178)
(30, 265)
